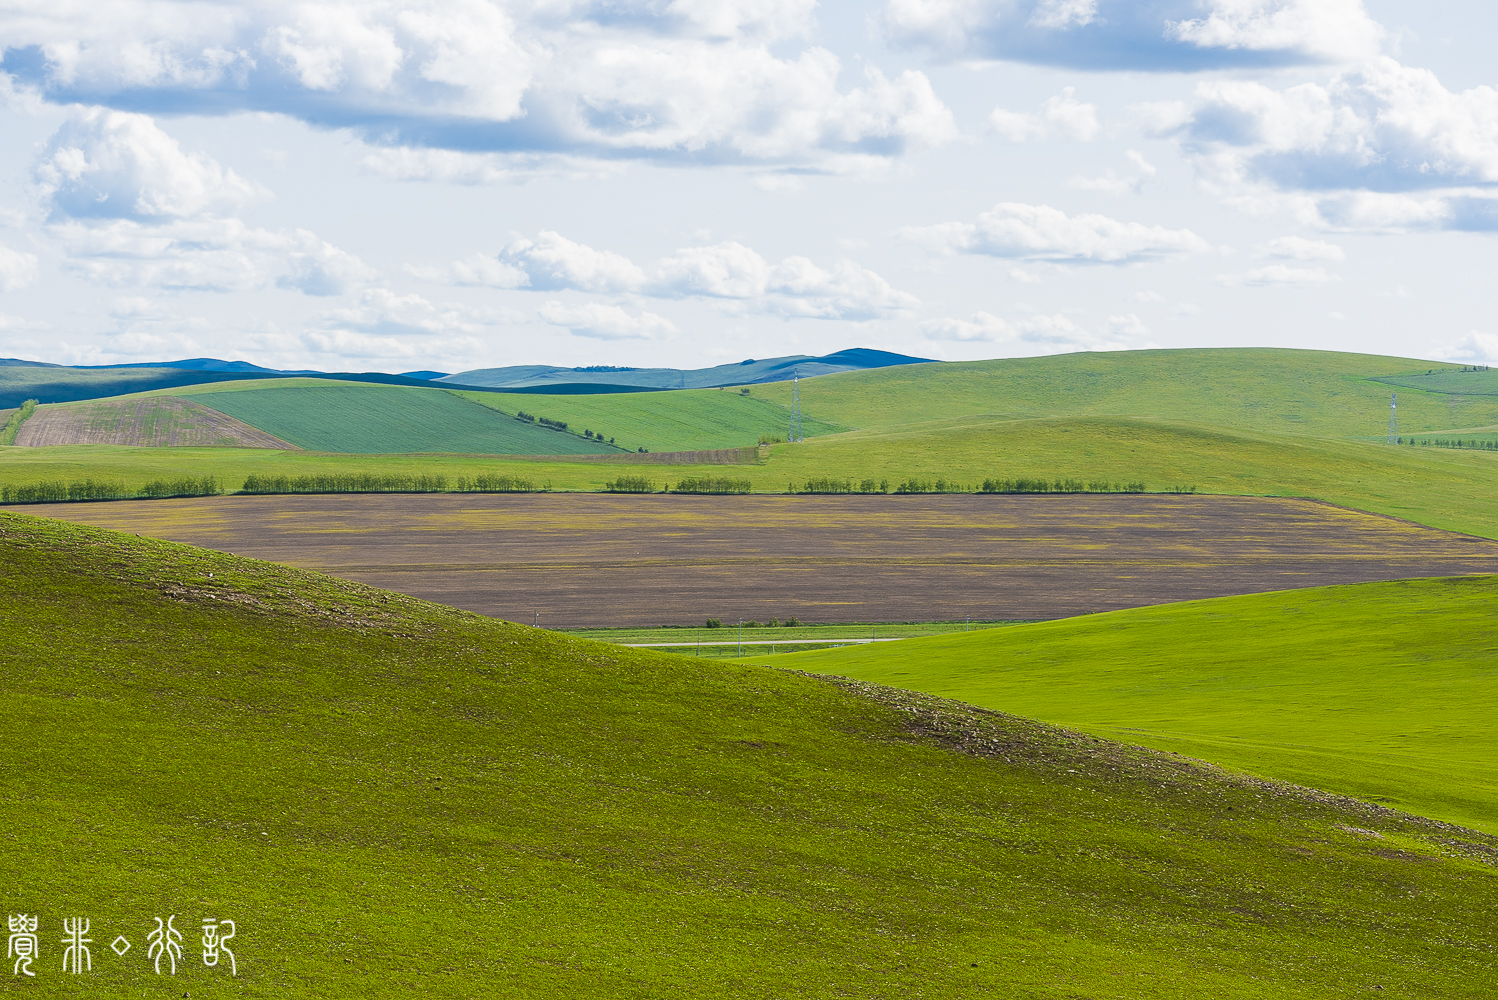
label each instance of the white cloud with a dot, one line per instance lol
(730, 272)
(1111, 183)
(1165, 35)
(384, 313)
(551, 261)
(1382, 147)
(17, 269)
(221, 255)
(1039, 232)
(1279, 274)
(708, 80)
(1063, 13)
(1330, 30)
(450, 166)
(114, 165)
(605, 322)
(1300, 248)
(1042, 334)
(1059, 115)
(476, 269)
(1474, 348)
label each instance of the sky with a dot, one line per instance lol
(398, 185)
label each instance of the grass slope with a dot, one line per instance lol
(1383, 691)
(687, 420)
(1260, 389)
(394, 797)
(389, 419)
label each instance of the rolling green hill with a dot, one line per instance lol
(388, 419)
(1259, 389)
(1383, 690)
(389, 796)
(684, 420)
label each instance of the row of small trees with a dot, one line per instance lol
(699, 484)
(1481, 444)
(60, 491)
(826, 484)
(365, 483)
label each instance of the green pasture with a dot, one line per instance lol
(1445, 488)
(389, 419)
(684, 420)
(393, 797)
(1384, 691)
(1267, 390)
(757, 638)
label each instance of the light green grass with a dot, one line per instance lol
(389, 419)
(685, 420)
(1259, 389)
(395, 798)
(1383, 690)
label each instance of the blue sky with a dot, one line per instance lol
(457, 184)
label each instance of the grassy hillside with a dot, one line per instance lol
(389, 419)
(689, 420)
(1383, 691)
(1265, 390)
(389, 796)
(144, 421)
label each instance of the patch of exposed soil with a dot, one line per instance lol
(150, 422)
(595, 560)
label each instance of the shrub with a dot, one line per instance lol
(708, 484)
(13, 425)
(484, 483)
(714, 623)
(751, 623)
(58, 491)
(771, 439)
(629, 484)
(186, 486)
(825, 485)
(792, 622)
(348, 483)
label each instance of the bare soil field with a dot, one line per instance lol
(589, 560)
(150, 422)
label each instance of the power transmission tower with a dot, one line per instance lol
(795, 431)
(1393, 421)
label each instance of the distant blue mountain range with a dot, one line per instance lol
(63, 383)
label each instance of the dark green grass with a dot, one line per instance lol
(1380, 690)
(390, 420)
(395, 798)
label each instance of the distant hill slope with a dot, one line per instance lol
(563, 381)
(389, 420)
(1379, 690)
(142, 421)
(1273, 390)
(389, 796)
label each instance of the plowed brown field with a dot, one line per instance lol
(592, 560)
(147, 422)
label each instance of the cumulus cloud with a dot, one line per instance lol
(114, 165)
(1042, 334)
(1300, 248)
(731, 273)
(1279, 274)
(704, 80)
(1042, 233)
(605, 322)
(1167, 35)
(1112, 183)
(1474, 348)
(17, 269)
(382, 312)
(1060, 115)
(220, 255)
(1382, 146)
